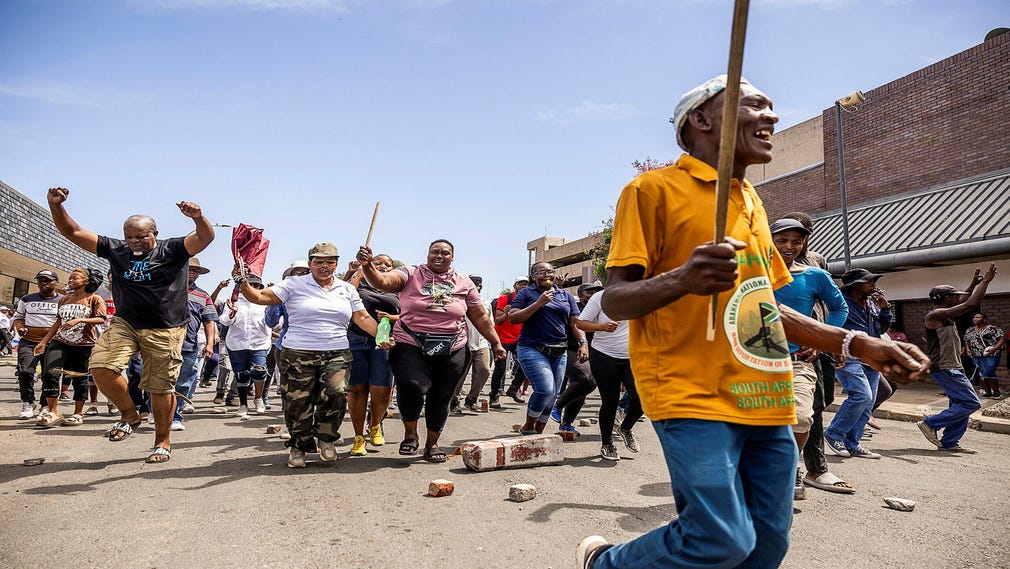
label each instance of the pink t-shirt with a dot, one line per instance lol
(435, 303)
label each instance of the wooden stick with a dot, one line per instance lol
(727, 140)
(368, 240)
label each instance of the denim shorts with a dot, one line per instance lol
(370, 366)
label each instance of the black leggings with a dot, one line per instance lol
(580, 383)
(423, 381)
(70, 358)
(610, 373)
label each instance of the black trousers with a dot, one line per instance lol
(610, 374)
(425, 381)
(824, 395)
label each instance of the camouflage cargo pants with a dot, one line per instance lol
(315, 395)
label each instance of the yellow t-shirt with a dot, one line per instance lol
(745, 375)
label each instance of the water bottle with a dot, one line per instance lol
(382, 335)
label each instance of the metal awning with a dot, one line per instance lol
(961, 221)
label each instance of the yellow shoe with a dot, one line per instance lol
(358, 449)
(375, 434)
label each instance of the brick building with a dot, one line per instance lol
(29, 242)
(927, 169)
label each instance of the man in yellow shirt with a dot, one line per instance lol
(722, 409)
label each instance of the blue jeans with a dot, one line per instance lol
(860, 382)
(370, 366)
(963, 402)
(545, 375)
(187, 380)
(733, 486)
(986, 365)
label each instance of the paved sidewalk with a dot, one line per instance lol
(913, 401)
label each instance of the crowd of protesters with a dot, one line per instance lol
(385, 332)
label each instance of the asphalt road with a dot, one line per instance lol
(227, 499)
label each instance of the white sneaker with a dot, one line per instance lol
(26, 411)
(296, 458)
(327, 451)
(243, 413)
(150, 418)
(43, 411)
(188, 409)
(260, 407)
(178, 426)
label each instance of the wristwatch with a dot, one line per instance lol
(583, 342)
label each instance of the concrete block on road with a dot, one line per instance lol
(441, 487)
(522, 492)
(567, 436)
(900, 504)
(274, 429)
(585, 423)
(514, 452)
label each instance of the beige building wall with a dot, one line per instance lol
(795, 148)
(570, 258)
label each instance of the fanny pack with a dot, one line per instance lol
(552, 350)
(433, 344)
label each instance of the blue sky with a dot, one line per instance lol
(489, 123)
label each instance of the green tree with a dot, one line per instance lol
(600, 253)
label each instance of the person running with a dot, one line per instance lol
(579, 382)
(509, 334)
(248, 341)
(35, 314)
(545, 310)
(68, 344)
(869, 313)
(371, 387)
(201, 335)
(430, 351)
(810, 285)
(316, 356)
(943, 344)
(722, 409)
(149, 279)
(983, 343)
(611, 365)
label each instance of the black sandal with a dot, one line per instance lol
(434, 454)
(409, 447)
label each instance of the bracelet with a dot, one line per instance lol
(848, 342)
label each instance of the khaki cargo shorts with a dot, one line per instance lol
(161, 349)
(804, 384)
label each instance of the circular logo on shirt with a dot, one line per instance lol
(753, 326)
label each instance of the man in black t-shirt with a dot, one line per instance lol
(150, 281)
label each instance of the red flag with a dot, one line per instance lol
(249, 248)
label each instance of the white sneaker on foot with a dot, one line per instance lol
(296, 458)
(242, 413)
(588, 550)
(26, 411)
(188, 409)
(260, 407)
(178, 426)
(327, 452)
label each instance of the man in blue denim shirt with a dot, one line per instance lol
(869, 312)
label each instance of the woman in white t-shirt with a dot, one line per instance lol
(611, 366)
(315, 359)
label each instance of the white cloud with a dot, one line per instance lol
(590, 111)
(293, 5)
(49, 93)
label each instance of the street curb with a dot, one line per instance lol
(915, 413)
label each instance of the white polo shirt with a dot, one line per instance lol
(317, 318)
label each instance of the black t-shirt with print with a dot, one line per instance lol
(150, 290)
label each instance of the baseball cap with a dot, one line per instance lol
(521, 278)
(698, 96)
(941, 292)
(593, 286)
(858, 276)
(323, 250)
(296, 265)
(781, 225)
(48, 275)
